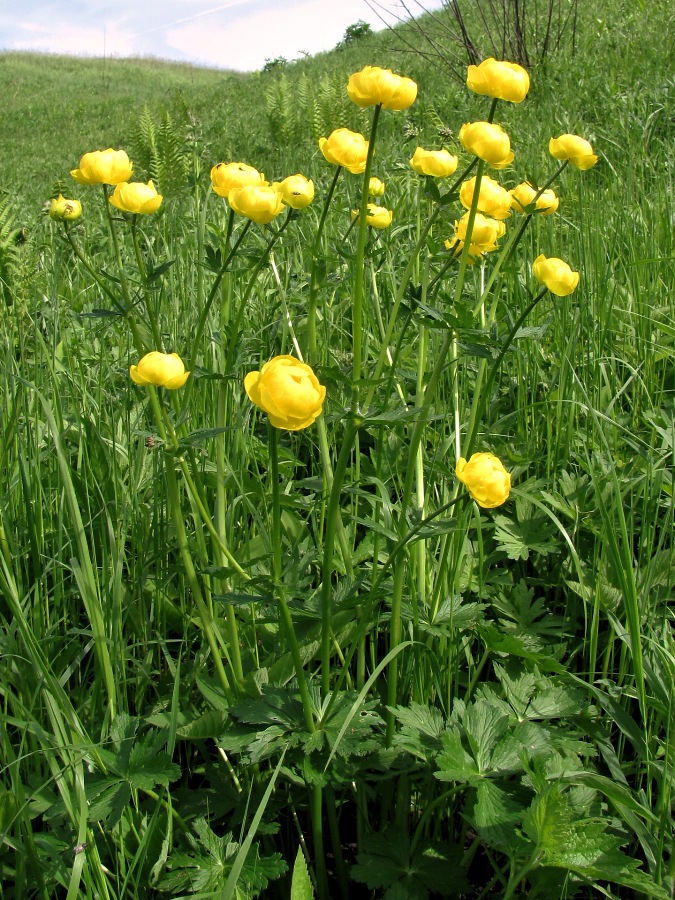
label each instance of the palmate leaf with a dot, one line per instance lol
(388, 863)
(582, 845)
(518, 539)
(421, 729)
(207, 867)
(133, 764)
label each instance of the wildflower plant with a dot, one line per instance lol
(344, 505)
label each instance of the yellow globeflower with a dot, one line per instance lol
(486, 232)
(288, 391)
(227, 176)
(487, 141)
(495, 78)
(485, 478)
(555, 274)
(377, 216)
(136, 197)
(345, 148)
(62, 210)
(161, 369)
(260, 203)
(493, 199)
(103, 167)
(523, 196)
(574, 148)
(373, 86)
(375, 187)
(296, 191)
(438, 163)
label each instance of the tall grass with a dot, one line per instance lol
(487, 708)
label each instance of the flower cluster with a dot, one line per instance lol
(113, 167)
(484, 236)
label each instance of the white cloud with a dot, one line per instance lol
(237, 34)
(244, 42)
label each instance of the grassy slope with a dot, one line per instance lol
(56, 108)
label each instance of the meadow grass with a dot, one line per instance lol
(227, 648)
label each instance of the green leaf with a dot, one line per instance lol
(388, 863)
(584, 846)
(518, 539)
(455, 763)
(301, 885)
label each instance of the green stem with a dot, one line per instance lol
(359, 270)
(479, 406)
(395, 625)
(277, 573)
(332, 516)
(313, 280)
(212, 296)
(195, 588)
(156, 335)
(124, 284)
(374, 596)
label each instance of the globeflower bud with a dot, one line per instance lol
(555, 274)
(161, 369)
(288, 391)
(62, 210)
(502, 80)
(260, 203)
(345, 148)
(437, 163)
(103, 167)
(487, 141)
(136, 197)
(375, 187)
(373, 86)
(296, 191)
(377, 216)
(493, 199)
(523, 196)
(227, 176)
(574, 148)
(485, 478)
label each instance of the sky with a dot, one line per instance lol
(230, 34)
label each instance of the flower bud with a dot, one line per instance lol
(345, 148)
(288, 391)
(485, 478)
(555, 274)
(62, 210)
(493, 199)
(136, 197)
(574, 148)
(375, 187)
(487, 141)
(103, 167)
(376, 217)
(438, 163)
(260, 203)
(373, 86)
(502, 80)
(227, 176)
(296, 191)
(523, 196)
(161, 369)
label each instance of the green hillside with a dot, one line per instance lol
(337, 520)
(617, 86)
